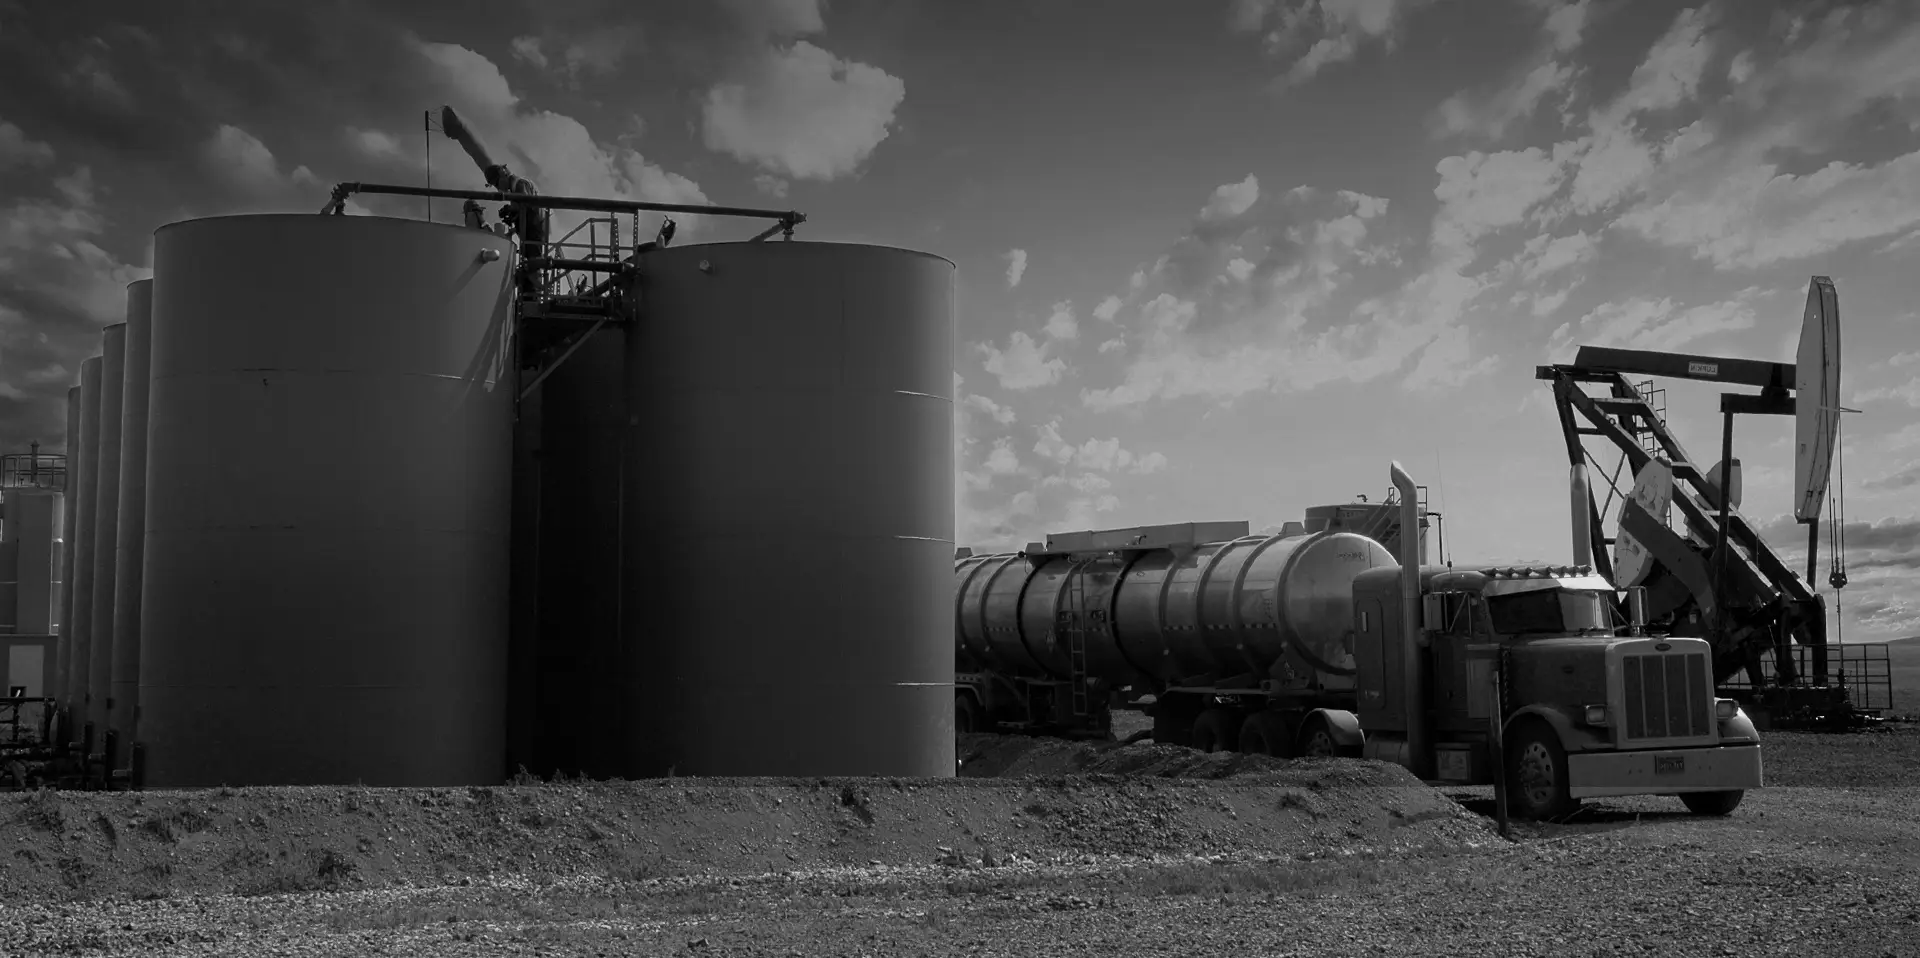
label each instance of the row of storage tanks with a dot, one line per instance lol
(319, 538)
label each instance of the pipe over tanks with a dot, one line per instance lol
(1224, 608)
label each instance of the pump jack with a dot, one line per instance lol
(1730, 587)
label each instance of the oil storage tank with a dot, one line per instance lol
(85, 478)
(106, 512)
(326, 557)
(788, 511)
(130, 522)
(64, 656)
(1254, 603)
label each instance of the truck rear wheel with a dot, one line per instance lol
(1267, 733)
(1214, 731)
(1712, 803)
(1537, 774)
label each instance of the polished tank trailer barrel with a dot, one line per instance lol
(1245, 605)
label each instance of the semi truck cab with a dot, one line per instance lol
(1528, 665)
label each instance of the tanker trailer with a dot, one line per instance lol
(1052, 638)
(1526, 678)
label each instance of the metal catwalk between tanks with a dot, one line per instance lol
(326, 536)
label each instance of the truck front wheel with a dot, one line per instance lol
(1712, 803)
(1537, 774)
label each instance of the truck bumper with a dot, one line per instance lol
(1663, 771)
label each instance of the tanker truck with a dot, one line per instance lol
(1322, 644)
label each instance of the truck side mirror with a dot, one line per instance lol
(1433, 612)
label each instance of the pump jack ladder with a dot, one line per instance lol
(1760, 605)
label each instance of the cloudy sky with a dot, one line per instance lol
(1219, 259)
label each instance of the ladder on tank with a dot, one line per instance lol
(1074, 620)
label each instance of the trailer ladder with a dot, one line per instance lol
(1076, 629)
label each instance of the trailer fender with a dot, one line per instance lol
(1573, 736)
(1344, 726)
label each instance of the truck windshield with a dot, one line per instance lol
(1548, 611)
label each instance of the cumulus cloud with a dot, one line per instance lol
(1010, 499)
(1480, 193)
(771, 185)
(1882, 559)
(1330, 31)
(1061, 323)
(1016, 266)
(1641, 323)
(18, 149)
(802, 113)
(1758, 216)
(556, 151)
(1266, 301)
(238, 157)
(1231, 200)
(1107, 310)
(1003, 415)
(1546, 69)
(597, 52)
(60, 287)
(1024, 364)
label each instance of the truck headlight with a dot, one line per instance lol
(1724, 709)
(1596, 715)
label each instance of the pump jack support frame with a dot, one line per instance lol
(1761, 604)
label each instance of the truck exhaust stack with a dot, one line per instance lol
(1414, 686)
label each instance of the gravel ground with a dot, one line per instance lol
(1053, 850)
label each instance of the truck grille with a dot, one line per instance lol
(1666, 695)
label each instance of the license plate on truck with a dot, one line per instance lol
(1669, 764)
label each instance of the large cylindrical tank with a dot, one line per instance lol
(582, 692)
(788, 504)
(1224, 608)
(106, 528)
(85, 484)
(64, 656)
(330, 423)
(131, 523)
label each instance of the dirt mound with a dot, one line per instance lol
(1014, 756)
(270, 840)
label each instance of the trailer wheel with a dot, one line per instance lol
(1537, 774)
(1213, 731)
(966, 714)
(1712, 803)
(1267, 733)
(1316, 741)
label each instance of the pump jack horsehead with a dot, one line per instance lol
(1718, 579)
